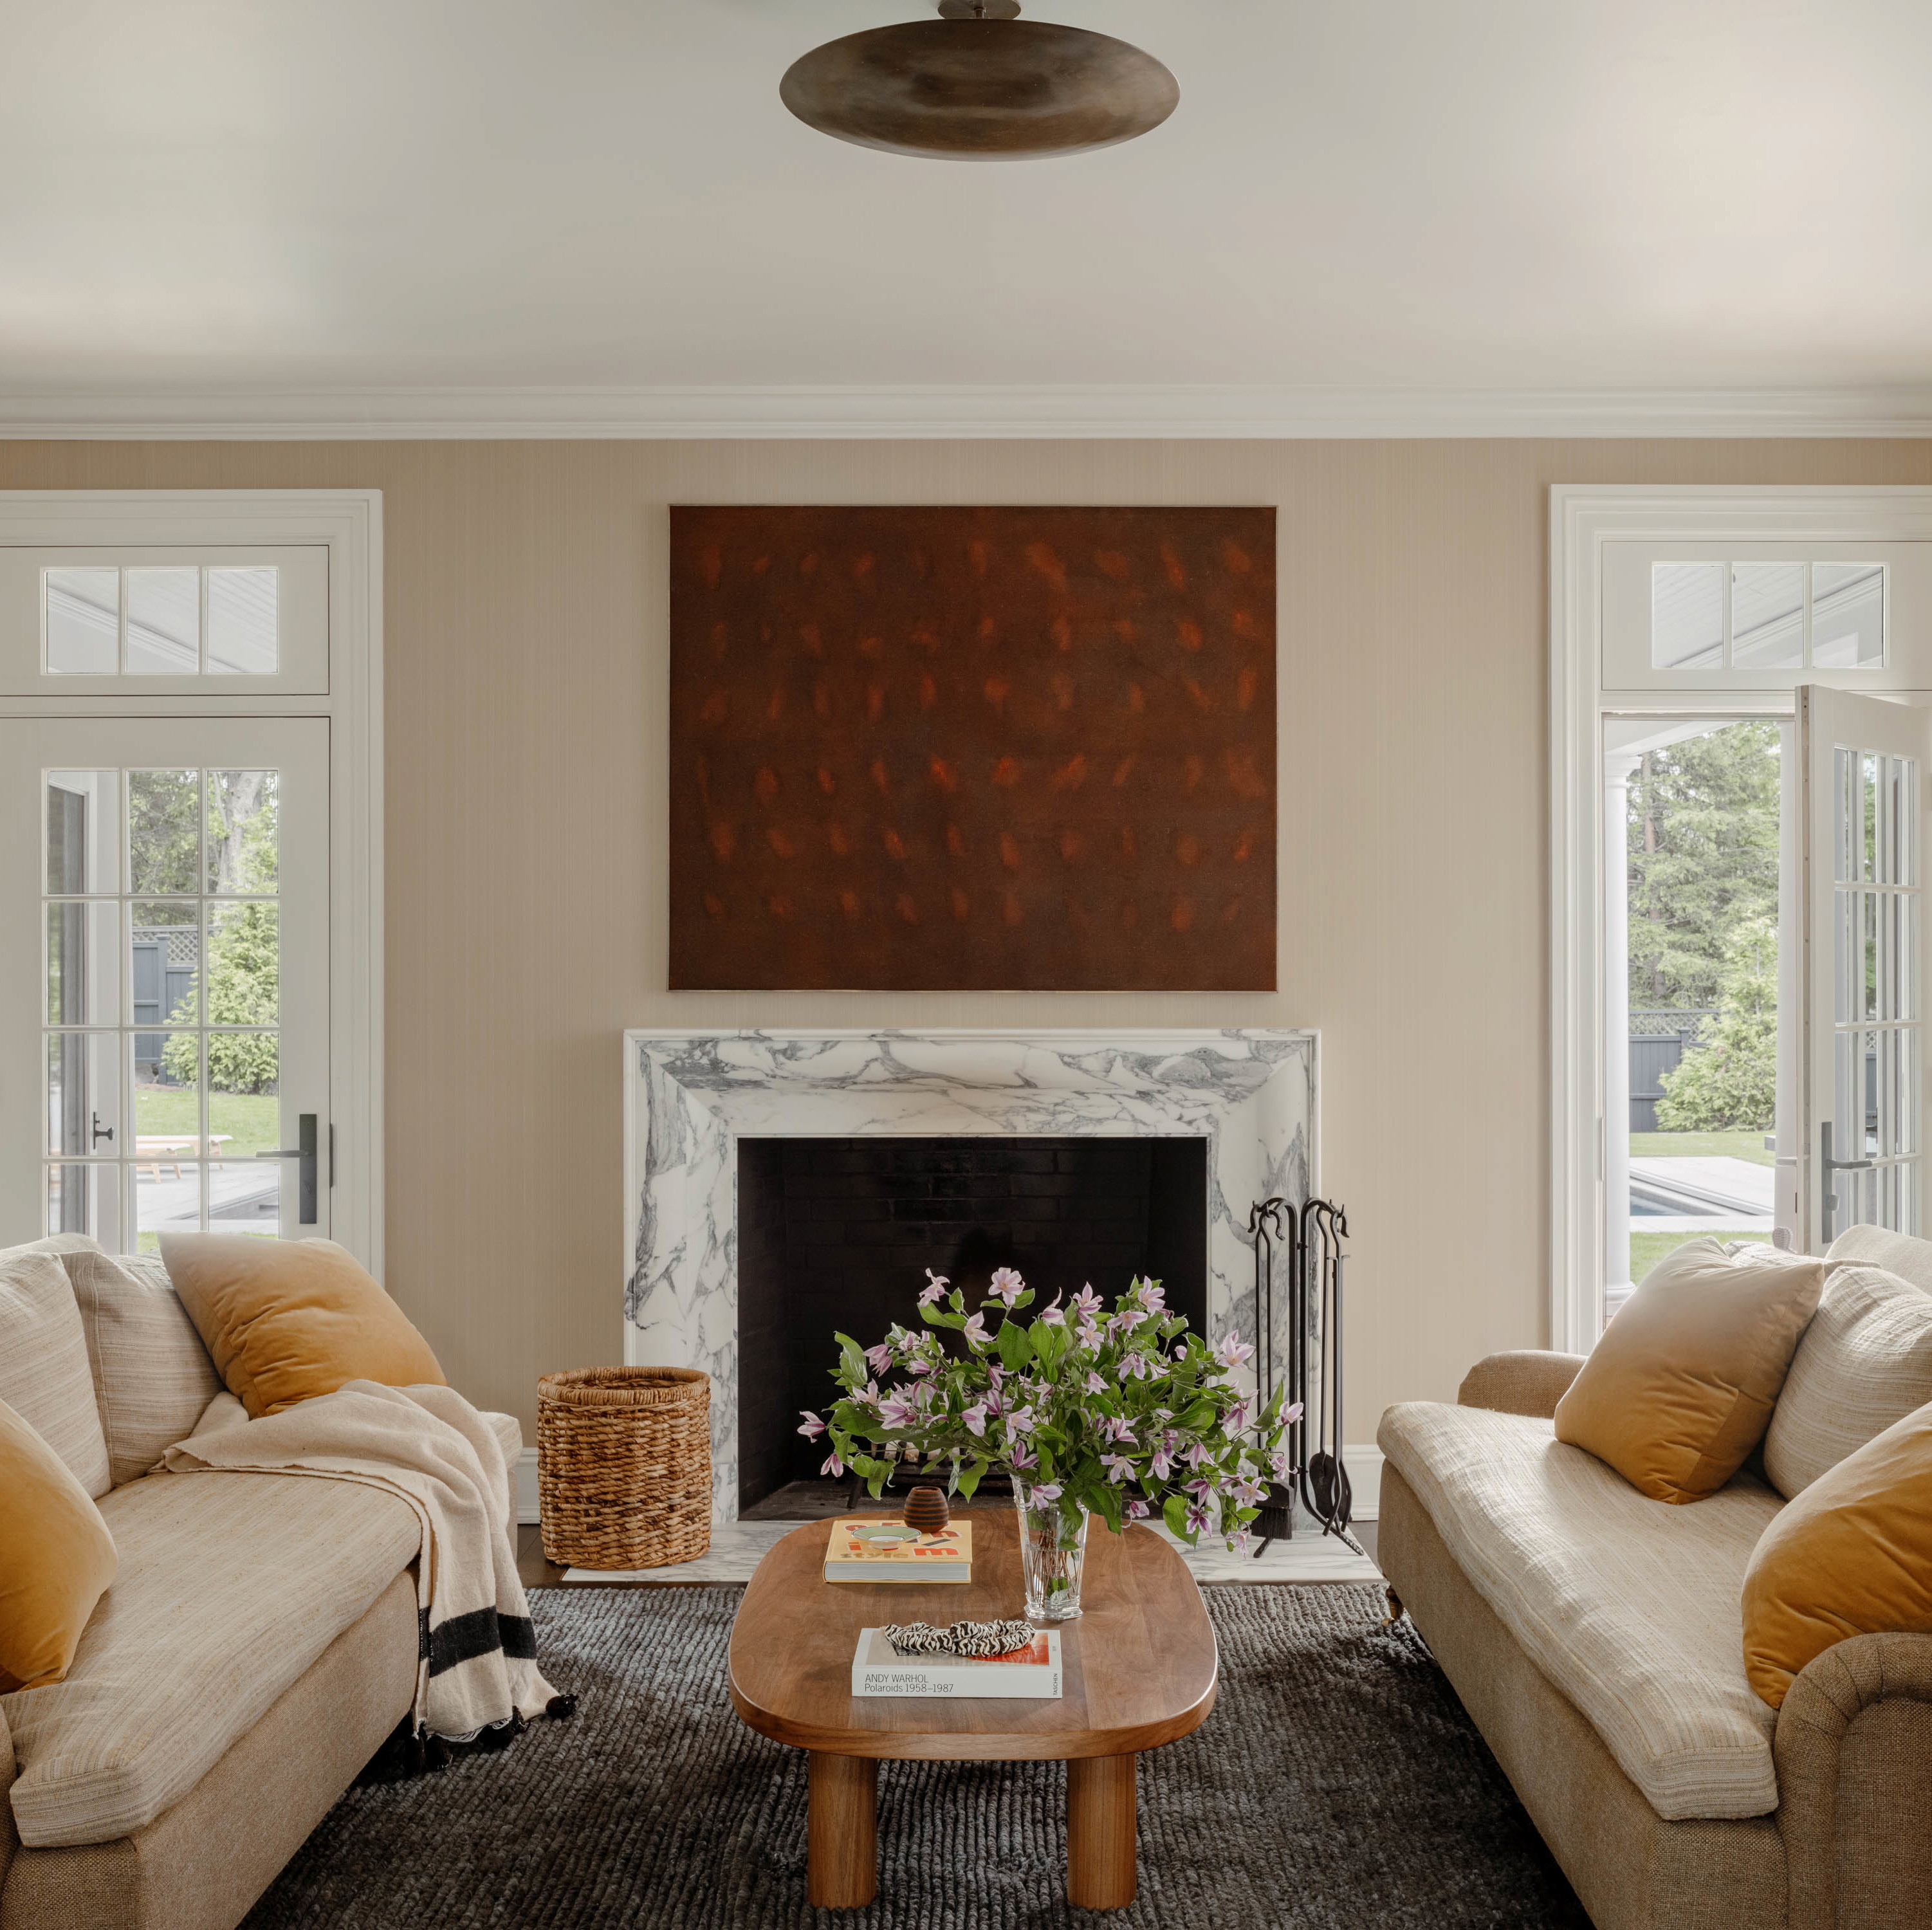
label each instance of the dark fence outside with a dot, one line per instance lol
(1658, 1040)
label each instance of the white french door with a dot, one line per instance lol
(164, 978)
(1861, 1059)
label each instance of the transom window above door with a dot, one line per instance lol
(169, 619)
(111, 621)
(1768, 615)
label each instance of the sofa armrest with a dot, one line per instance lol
(1853, 1748)
(1529, 1382)
(10, 1837)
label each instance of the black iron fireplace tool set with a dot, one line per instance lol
(1306, 1241)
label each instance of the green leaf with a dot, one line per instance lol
(1015, 1350)
(1174, 1512)
(971, 1475)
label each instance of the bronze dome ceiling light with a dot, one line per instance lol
(979, 84)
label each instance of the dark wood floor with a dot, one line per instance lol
(537, 1573)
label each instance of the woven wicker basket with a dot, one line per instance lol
(624, 1467)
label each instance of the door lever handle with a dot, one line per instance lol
(304, 1150)
(101, 1131)
(1828, 1170)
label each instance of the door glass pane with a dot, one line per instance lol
(1768, 615)
(167, 1198)
(243, 850)
(243, 964)
(242, 622)
(83, 964)
(244, 1119)
(163, 831)
(83, 1093)
(1847, 615)
(164, 622)
(85, 1199)
(82, 615)
(83, 818)
(1687, 616)
(164, 967)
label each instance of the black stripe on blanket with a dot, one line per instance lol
(482, 1632)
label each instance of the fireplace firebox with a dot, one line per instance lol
(835, 1235)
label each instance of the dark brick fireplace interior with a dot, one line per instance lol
(836, 1234)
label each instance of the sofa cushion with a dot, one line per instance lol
(1852, 1557)
(152, 1377)
(58, 1558)
(1898, 1253)
(1630, 1608)
(1865, 1362)
(1681, 1386)
(230, 1586)
(286, 1320)
(44, 1375)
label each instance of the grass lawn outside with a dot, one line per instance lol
(1647, 1249)
(1702, 1146)
(252, 1120)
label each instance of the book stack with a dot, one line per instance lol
(881, 1547)
(877, 1669)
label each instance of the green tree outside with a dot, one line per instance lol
(243, 973)
(1732, 1081)
(1703, 836)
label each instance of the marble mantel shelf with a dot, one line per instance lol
(690, 1095)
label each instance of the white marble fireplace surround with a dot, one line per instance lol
(689, 1096)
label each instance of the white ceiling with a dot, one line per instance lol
(224, 201)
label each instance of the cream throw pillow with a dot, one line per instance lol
(1897, 1253)
(286, 1320)
(58, 1558)
(152, 1377)
(1865, 1362)
(1852, 1555)
(44, 1377)
(1681, 1388)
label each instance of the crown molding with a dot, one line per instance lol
(1169, 412)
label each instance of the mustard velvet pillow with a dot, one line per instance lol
(286, 1320)
(1681, 1388)
(1851, 1556)
(58, 1559)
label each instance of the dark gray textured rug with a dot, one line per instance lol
(1338, 1786)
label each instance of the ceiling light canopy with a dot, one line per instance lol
(979, 84)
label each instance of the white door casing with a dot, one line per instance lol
(326, 546)
(1861, 1054)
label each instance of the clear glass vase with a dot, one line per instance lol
(1053, 1551)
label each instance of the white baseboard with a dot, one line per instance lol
(1364, 1464)
(1363, 1461)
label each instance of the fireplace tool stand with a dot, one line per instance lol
(1305, 1244)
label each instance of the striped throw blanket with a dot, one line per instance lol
(477, 1669)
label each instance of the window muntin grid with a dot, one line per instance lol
(161, 917)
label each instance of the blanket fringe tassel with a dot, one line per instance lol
(408, 1752)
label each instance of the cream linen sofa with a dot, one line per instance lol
(1595, 1637)
(257, 1646)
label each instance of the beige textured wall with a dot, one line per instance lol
(525, 625)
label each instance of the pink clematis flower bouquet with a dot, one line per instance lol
(1121, 1414)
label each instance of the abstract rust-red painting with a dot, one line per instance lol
(972, 749)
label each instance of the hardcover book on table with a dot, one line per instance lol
(878, 1669)
(881, 1547)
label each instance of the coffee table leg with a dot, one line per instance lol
(1100, 1825)
(841, 1868)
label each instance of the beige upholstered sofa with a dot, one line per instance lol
(1596, 1637)
(257, 1646)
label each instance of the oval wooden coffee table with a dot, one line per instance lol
(1139, 1671)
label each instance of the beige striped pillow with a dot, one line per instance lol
(1865, 1362)
(152, 1377)
(44, 1372)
